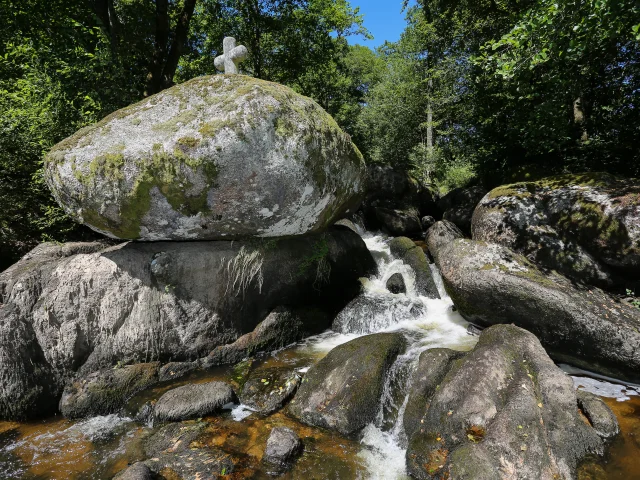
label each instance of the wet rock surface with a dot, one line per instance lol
(267, 390)
(399, 222)
(81, 308)
(193, 401)
(585, 226)
(137, 471)
(504, 410)
(490, 284)
(283, 446)
(396, 284)
(106, 391)
(342, 391)
(217, 157)
(406, 250)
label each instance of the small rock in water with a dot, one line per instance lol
(267, 390)
(283, 447)
(599, 414)
(396, 284)
(145, 414)
(193, 401)
(174, 370)
(137, 471)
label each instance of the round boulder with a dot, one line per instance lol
(193, 401)
(217, 157)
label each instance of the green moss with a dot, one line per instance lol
(173, 125)
(188, 142)
(516, 190)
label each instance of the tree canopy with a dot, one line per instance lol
(473, 91)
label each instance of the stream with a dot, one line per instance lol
(99, 447)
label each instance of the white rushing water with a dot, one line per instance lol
(426, 323)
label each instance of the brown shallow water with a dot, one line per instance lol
(622, 461)
(96, 449)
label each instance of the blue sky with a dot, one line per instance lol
(382, 18)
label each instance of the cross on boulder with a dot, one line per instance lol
(232, 56)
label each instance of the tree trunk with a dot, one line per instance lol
(430, 118)
(580, 118)
(166, 57)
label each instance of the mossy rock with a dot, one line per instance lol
(218, 157)
(343, 390)
(585, 226)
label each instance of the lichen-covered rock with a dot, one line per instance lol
(219, 157)
(106, 391)
(266, 390)
(440, 234)
(584, 226)
(504, 410)
(193, 401)
(342, 391)
(67, 314)
(406, 250)
(490, 284)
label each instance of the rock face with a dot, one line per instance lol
(268, 389)
(399, 222)
(342, 391)
(407, 251)
(282, 327)
(441, 234)
(584, 226)
(283, 446)
(219, 157)
(106, 391)
(458, 205)
(193, 401)
(490, 284)
(68, 311)
(504, 410)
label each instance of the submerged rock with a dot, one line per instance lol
(193, 401)
(504, 410)
(490, 284)
(406, 250)
(106, 391)
(283, 446)
(217, 157)
(174, 453)
(342, 391)
(137, 471)
(73, 309)
(266, 390)
(584, 226)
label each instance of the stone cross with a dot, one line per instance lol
(228, 62)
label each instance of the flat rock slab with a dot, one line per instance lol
(218, 157)
(193, 401)
(342, 391)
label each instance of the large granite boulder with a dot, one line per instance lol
(342, 391)
(218, 157)
(584, 226)
(67, 311)
(504, 410)
(491, 284)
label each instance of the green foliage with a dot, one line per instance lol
(635, 300)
